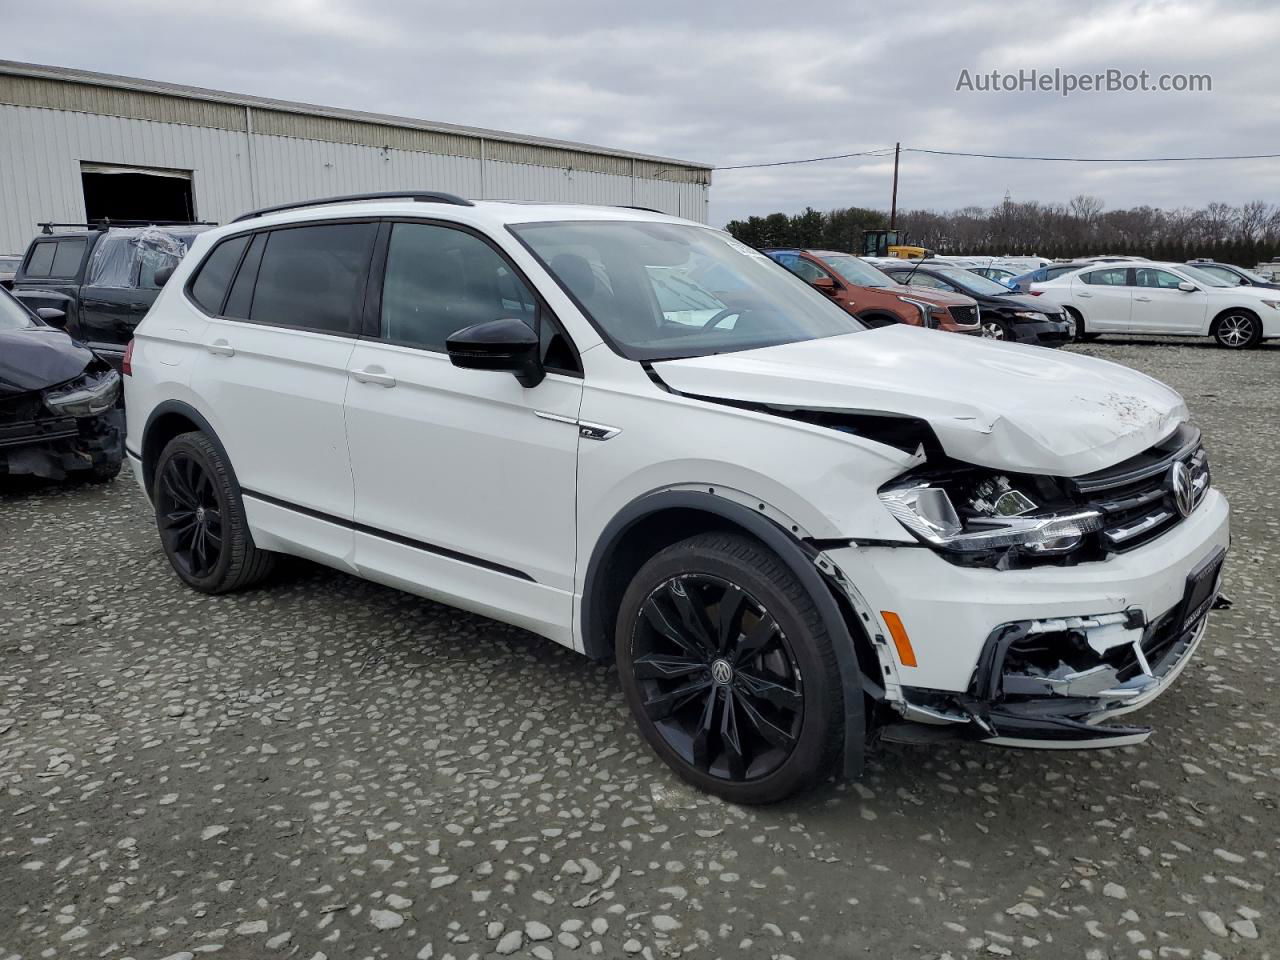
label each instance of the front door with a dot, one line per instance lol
(465, 481)
(1160, 307)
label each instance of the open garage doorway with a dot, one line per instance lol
(115, 192)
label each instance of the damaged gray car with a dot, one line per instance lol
(60, 404)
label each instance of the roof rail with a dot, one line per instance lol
(418, 196)
(629, 206)
(106, 223)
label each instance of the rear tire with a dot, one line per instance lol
(1237, 330)
(201, 519)
(729, 670)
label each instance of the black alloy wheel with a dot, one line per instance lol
(717, 677)
(201, 518)
(729, 670)
(189, 516)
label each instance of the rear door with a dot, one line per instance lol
(1105, 296)
(1160, 307)
(273, 371)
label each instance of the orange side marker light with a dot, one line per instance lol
(906, 656)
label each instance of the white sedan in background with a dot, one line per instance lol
(1170, 299)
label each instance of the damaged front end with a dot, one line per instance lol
(1055, 682)
(69, 428)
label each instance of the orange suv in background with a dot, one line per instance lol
(875, 298)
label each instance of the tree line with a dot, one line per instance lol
(1247, 234)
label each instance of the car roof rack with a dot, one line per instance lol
(418, 196)
(106, 223)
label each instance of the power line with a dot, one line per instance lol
(885, 151)
(1005, 156)
(877, 152)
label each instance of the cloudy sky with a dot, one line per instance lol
(746, 82)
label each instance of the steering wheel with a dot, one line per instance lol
(726, 312)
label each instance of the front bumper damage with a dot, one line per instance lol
(53, 447)
(1056, 683)
(1043, 657)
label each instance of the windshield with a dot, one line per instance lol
(13, 316)
(1205, 277)
(970, 282)
(658, 291)
(855, 271)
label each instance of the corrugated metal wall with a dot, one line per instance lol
(233, 171)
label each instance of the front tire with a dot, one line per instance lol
(729, 670)
(201, 518)
(996, 330)
(1237, 330)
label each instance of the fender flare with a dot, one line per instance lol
(800, 559)
(185, 410)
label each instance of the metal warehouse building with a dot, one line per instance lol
(76, 146)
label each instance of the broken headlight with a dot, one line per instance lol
(87, 397)
(971, 514)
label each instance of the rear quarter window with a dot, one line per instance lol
(213, 277)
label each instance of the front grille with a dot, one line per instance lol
(963, 315)
(22, 408)
(1139, 499)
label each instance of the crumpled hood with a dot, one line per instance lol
(1017, 301)
(39, 357)
(1003, 405)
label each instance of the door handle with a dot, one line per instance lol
(220, 348)
(1086, 296)
(1142, 299)
(370, 375)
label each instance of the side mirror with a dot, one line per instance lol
(507, 345)
(824, 285)
(52, 316)
(1187, 287)
(161, 276)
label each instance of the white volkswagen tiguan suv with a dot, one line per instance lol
(635, 436)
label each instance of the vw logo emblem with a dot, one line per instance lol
(721, 672)
(1183, 491)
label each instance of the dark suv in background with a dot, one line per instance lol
(103, 279)
(1005, 314)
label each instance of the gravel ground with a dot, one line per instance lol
(327, 768)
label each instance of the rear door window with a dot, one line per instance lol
(66, 261)
(313, 277)
(1111, 277)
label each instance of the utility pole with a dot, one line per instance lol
(893, 207)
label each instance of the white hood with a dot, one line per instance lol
(1009, 406)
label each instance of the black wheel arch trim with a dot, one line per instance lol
(185, 410)
(800, 560)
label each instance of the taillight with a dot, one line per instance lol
(126, 367)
